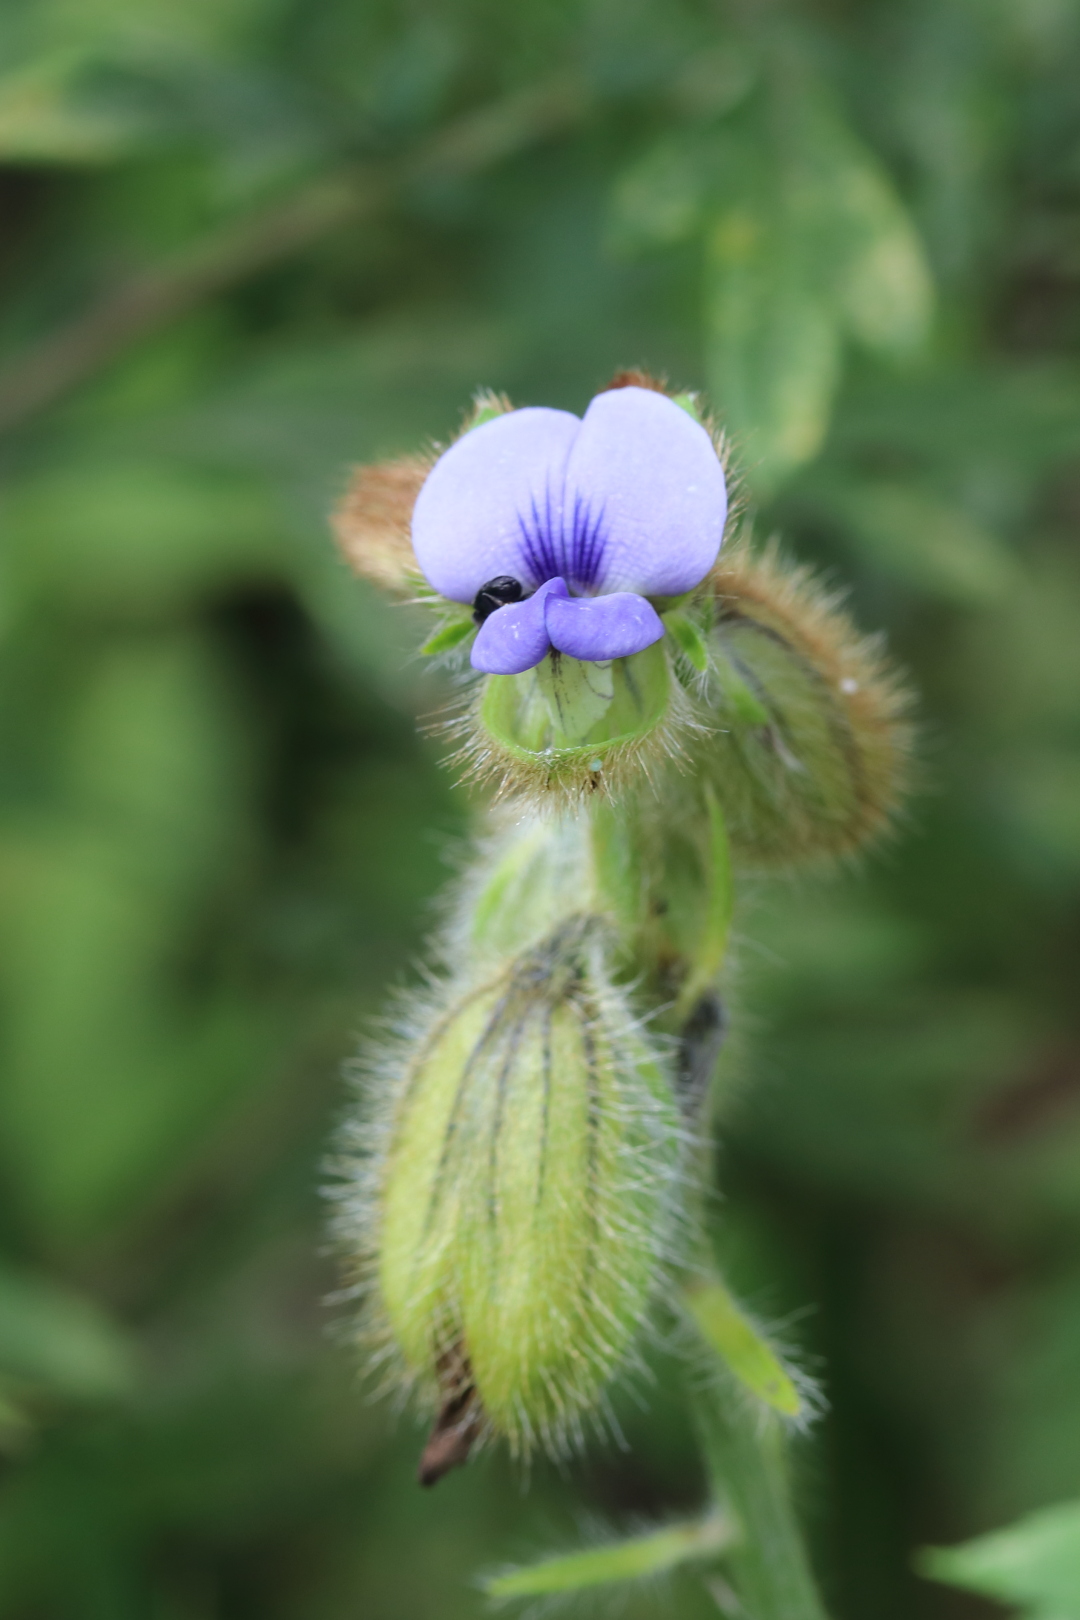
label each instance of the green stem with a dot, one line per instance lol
(745, 1452)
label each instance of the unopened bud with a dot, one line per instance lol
(523, 1198)
(810, 743)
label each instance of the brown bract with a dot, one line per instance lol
(454, 1434)
(634, 378)
(373, 520)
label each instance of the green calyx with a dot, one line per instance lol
(570, 727)
(688, 638)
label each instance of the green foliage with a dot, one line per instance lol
(634, 1559)
(52, 1340)
(805, 242)
(1035, 1564)
(294, 236)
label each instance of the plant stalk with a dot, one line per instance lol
(745, 1452)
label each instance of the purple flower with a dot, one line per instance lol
(556, 529)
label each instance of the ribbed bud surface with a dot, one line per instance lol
(810, 744)
(525, 1193)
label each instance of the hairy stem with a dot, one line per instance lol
(745, 1452)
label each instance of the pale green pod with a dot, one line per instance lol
(526, 1193)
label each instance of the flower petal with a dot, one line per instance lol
(474, 514)
(600, 627)
(649, 477)
(515, 638)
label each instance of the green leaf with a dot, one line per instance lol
(55, 1339)
(870, 260)
(139, 535)
(1034, 1563)
(44, 119)
(689, 638)
(749, 1356)
(662, 198)
(446, 637)
(110, 1071)
(16, 1424)
(884, 291)
(773, 343)
(630, 1560)
(926, 541)
(808, 244)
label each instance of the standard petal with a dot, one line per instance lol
(477, 513)
(515, 638)
(599, 627)
(649, 478)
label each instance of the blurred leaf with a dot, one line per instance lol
(1034, 1563)
(141, 536)
(112, 1069)
(635, 1559)
(870, 253)
(48, 114)
(926, 542)
(809, 242)
(773, 342)
(112, 1076)
(663, 197)
(56, 1340)
(16, 1424)
(123, 27)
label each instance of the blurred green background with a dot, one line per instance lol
(244, 243)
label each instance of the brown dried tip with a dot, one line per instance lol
(372, 523)
(454, 1433)
(636, 379)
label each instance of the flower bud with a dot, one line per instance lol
(810, 744)
(522, 1198)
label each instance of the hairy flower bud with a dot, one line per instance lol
(520, 1197)
(810, 744)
